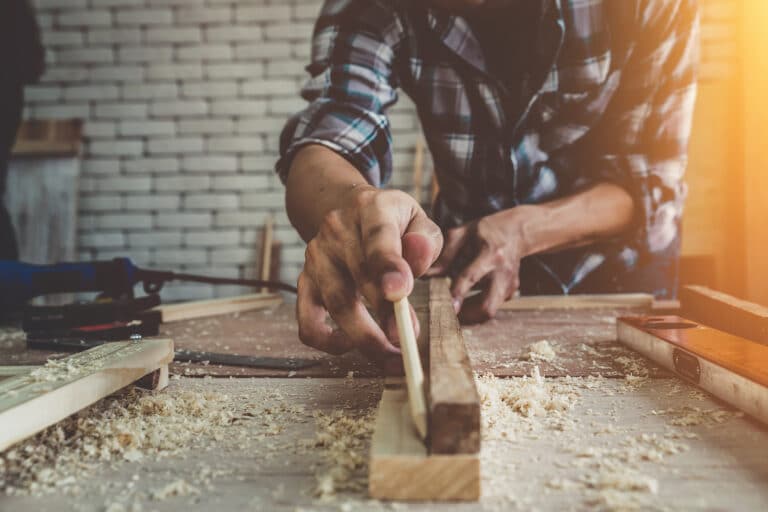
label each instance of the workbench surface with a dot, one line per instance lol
(621, 435)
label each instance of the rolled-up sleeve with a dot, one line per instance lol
(352, 84)
(642, 143)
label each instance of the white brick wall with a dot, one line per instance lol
(183, 101)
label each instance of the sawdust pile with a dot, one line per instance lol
(508, 403)
(130, 427)
(541, 351)
(343, 441)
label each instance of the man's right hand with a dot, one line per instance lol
(370, 248)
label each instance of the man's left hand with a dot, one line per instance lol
(497, 245)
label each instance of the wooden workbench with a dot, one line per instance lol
(682, 449)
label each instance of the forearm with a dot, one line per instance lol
(319, 181)
(601, 211)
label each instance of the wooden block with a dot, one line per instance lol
(50, 138)
(453, 400)
(725, 312)
(401, 469)
(39, 398)
(203, 308)
(584, 301)
(732, 368)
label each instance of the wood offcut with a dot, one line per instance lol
(38, 398)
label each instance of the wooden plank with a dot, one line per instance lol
(35, 400)
(401, 469)
(266, 251)
(414, 372)
(418, 170)
(454, 403)
(212, 307)
(725, 312)
(733, 369)
(582, 301)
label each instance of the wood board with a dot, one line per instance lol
(580, 301)
(732, 368)
(401, 469)
(213, 307)
(454, 403)
(725, 312)
(36, 399)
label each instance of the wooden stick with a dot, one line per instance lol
(454, 403)
(414, 373)
(724, 312)
(204, 308)
(733, 369)
(266, 251)
(418, 170)
(39, 398)
(401, 469)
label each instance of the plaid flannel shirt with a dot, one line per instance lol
(610, 98)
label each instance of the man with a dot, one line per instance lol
(559, 132)
(21, 62)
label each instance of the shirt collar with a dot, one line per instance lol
(456, 34)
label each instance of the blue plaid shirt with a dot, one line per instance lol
(609, 98)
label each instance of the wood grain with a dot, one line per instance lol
(454, 404)
(31, 401)
(401, 469)
(725, 312)
(733, 369)
(212, 307)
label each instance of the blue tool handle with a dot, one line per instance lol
(20, 282)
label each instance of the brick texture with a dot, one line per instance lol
(183, 102)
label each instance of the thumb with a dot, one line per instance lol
(422, 243)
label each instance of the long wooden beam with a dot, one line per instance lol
(454, 403)
(725, 312)
(45, 395)
(212, 307)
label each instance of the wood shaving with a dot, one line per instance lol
(178, 487)
(343, 442)
(123, 427)
(541, 351)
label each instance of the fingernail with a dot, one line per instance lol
(391, 282)
(456, 304)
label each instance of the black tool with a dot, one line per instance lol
(20, 282)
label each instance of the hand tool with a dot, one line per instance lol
(414, 373)
(21, 282)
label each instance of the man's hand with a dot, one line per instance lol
(497, 245)
(370, 248)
